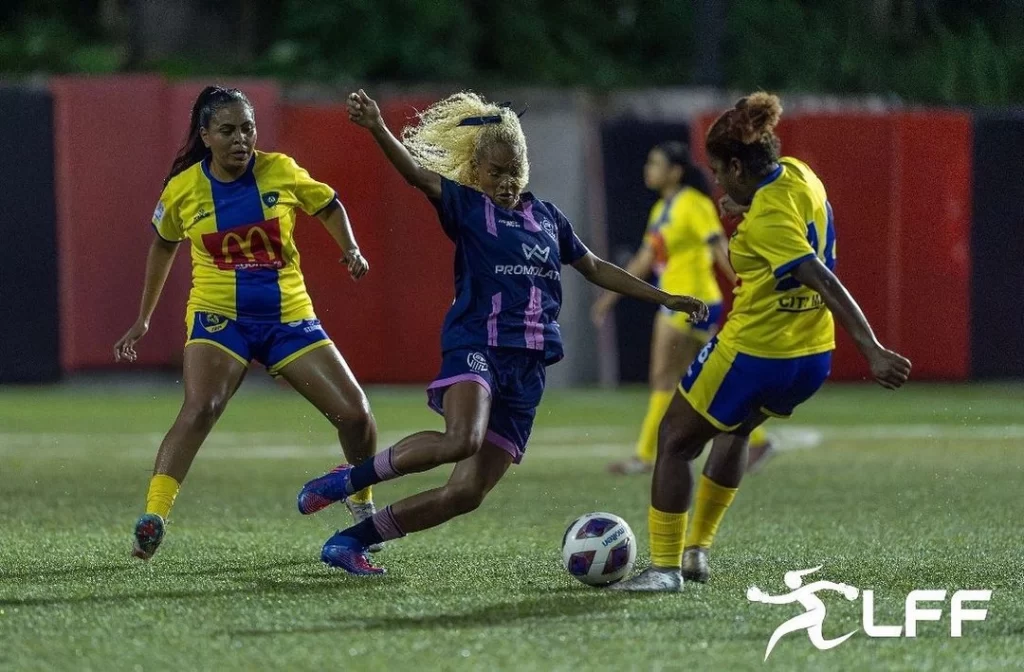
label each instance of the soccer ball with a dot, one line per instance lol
(599, 549)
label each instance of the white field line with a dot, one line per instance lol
(557, 443)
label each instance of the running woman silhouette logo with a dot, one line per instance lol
(807, 597)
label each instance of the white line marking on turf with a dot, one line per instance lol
(548, 443)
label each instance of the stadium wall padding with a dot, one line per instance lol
(901, 251)
(997, 321)
(625, 144)
(30, 328)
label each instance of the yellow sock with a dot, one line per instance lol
(667, 531)
(647, 444)
(758, 437)
(709, 508)
(160, 498)
(362, 497)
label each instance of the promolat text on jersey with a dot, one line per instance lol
(522, 269)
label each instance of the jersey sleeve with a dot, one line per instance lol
(165, 218)
(705, 219)
(452, 206)
(312, 196)
(781, 240)
(570, 248)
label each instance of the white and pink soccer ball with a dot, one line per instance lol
(599, 549)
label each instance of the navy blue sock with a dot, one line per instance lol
(372, 471)
(363, 476)
(365, 532)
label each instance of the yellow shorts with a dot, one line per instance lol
(273, 344)
(728, 387)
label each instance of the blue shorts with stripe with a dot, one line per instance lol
(513, 377)
(273, 344)
(728, 387)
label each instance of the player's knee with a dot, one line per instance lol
(674, 439)
(462, 444)
(464, 496)
(355, 418)
(204, 413)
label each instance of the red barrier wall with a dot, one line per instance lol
(388, 324)
(110, 162)
(903, 226)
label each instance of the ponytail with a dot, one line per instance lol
(747, 132)
(210, 99)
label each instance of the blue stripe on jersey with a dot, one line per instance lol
(237, 203)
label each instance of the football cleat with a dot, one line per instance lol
(361, 512)
(321, 492)
(652, 580)
(758, 455)
(695, 564)
(630, 467)
(149, 532)
(348, 554)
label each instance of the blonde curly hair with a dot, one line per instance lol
(442, 143)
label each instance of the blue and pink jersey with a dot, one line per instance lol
(508, 266)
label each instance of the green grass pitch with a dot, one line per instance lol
(917, 489)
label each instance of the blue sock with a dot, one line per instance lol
(372, 471)
(364, 532)
(362, 476)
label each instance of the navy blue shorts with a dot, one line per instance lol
(727, 387)
(273, 344)
(515, 380)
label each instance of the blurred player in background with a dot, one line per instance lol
(683, 244)
(237, 207)
(469, 158)
(775, 350)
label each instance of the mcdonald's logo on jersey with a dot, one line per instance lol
(247, 247)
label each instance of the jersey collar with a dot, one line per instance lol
(772, 176)
(206, 170)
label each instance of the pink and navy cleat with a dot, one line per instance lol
(149, 532)
(348, 554)
(322, 492)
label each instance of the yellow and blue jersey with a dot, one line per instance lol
(245, 265)
(680, 230)
(789, 222)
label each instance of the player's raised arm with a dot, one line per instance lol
(364, 111)
(158, 266)
(640, 265)
(609, 276)
(889, 368)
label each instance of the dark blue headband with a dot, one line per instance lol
(491, 119)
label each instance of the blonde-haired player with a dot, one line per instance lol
(683, 244)
(469, 158)
(775, 350)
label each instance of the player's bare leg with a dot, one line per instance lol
(723, 471)
(466, 416)
(211, 377)
(467, 408)
(323, 377)
(465, 490)
(671, 352)
(681, 439)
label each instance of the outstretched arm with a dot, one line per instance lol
(611, 277)
(889, 368)
(640, 265)
(335, 220)
(364, 111)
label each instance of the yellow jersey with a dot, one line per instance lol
(245, 265)
(680, 230)
(789, 222)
